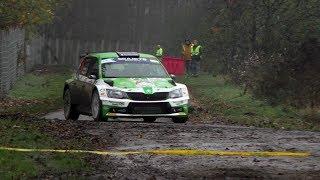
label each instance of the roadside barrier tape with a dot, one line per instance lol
(116, 153)
(230, 153)
(172, 152)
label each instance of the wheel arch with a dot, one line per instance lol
(66, 86)
(95, 89)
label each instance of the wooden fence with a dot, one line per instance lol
(66, 51)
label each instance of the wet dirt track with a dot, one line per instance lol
(133, 136)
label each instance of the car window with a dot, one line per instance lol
(137, 69)
(93, 68)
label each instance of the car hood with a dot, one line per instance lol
(144, 83)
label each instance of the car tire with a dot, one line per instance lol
(180, 120)
(70, 112)
(149, 119)
(96, 108)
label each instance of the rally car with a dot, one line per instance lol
(124, 84)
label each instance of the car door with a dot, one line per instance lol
(89, 83)
(80, 82)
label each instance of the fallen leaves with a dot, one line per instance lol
(7, 103)
(199, 112)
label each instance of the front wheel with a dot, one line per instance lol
(70, 113)
(180, 119)
(96, 108)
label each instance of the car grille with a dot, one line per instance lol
(149, 97)
(149, 108)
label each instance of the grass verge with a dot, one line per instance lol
(36, 94)
(225, 100)
(19, 165)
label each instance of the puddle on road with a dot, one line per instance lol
(59, 115)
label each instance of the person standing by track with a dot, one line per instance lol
(186, 55)
(159, 52)
(196, 56)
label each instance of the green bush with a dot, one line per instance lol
(271, 46)
(16, 13)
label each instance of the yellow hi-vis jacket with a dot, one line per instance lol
(159, 52)
(196, 51)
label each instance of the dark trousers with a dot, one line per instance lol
(195, 65)
(188, 67)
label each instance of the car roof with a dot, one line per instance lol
(107, 55)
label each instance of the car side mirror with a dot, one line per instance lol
(92, 76)
(173, 77)
(81, 56)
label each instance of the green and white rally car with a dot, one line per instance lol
(124, 84)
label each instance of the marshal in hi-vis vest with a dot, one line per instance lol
(159, 52)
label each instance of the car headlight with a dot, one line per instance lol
(176, 94)
(116, 94)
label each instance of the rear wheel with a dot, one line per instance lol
(180, 119)
(149, 119)
(96, 108)
(70, 113)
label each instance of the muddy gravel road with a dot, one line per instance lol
(128, 135)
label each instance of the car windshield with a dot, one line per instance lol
(133, 69)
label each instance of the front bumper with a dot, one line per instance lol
(138, 109)
(113, 115)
